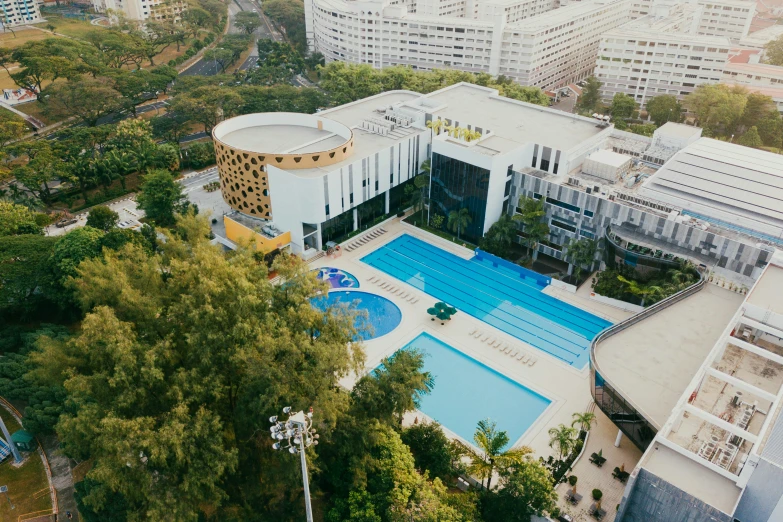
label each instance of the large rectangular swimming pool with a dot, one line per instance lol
(466, 391)
(494, 292)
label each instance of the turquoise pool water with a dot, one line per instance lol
(467, 391)
(495, 291)
(383, 316)
(337, 278)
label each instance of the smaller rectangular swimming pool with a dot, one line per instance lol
(467, 391)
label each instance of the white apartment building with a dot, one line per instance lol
(19, 12)
(531, 41)
(729, 18)
(660, 54)
(140, 10)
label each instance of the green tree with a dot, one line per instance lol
(104, 504)
(394, 388)
(208, 105)
(717, 107)
(172, 127)
(773, 51)
(641, 290)
(527, 490)
(622, 107)
(491, 441)
(562, 440)
(248, 21)
(73, 248)
(459, 220)
(17, 220)
(102, 218)
(525, 93)
(432, 451)
(221, 56)
(664, 108)
(42, 168)
(530, 212)
(581, 252)
(161, 198)
(26, 275)
(180, 360)
(591, 95)
(751, 138)
(500, 237)
(584, 420)
(86, 98)
(349, 82)
(290, 15)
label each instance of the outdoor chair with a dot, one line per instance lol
(415, 301)
(484, 338)
(472, 331)
(411, 298)
(532, 361)
(525, 359)
(478, 334)
(513, 353)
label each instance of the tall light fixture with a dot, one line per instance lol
(296, 434)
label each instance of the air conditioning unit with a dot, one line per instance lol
(573, 181)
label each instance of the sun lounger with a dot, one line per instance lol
(520, 356)
(532, 361)
(525, 359)
(478, 334)
(484, 337)
(513, 353)
(507, 349)
(415, 301)
(411, 298)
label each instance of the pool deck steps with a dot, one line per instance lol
(511, 350)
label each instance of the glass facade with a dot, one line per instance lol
(457, 185)
(622, 414)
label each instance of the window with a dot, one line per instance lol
(560, 204)
(564, 226)
(588, 235)
(589, 213)
(327, 209)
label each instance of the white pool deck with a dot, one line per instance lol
(567, 387)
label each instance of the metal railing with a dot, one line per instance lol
(653, 309)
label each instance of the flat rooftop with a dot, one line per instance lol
(653, 361)
(282, 139)
(691, 477)
(766, 294)
(517, 122)
(741, 182)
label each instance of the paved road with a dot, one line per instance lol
(266, 30)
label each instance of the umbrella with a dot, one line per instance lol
(433, 311)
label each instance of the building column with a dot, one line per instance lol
(318, 238)
(618, 439)
(387, 201)
(355, 220)
(570, 268)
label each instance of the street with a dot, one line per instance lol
(266, 30)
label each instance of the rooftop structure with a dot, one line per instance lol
(725, 427)
(140, 10)
(531, 41)
(736, 185)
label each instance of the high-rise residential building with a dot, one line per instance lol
(730, 18)
(661, 53)
(140, 10)
(19, 12)
(531, 41)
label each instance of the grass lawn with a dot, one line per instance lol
(72, 27)
(8, 39)
(28, 488)
(34, 109)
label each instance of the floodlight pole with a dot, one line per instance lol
(299, 434)
(14, 449)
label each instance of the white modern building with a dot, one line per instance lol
(315, 175)
(19, 12)
(730, 18)
(531, 41)
(661, 53)
(140, 10)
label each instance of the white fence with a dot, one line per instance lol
(622, 305)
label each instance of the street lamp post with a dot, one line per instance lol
(296, 434)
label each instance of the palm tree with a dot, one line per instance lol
(459, 220)
(491, 442)
(562, 439)
(583, 420)
(146, 158)
(643, 291)
(582, 253)
(450, 129)
(121, 163)
(530, 214)
(435, 126)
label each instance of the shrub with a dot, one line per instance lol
(572, 480)
(597, 494)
